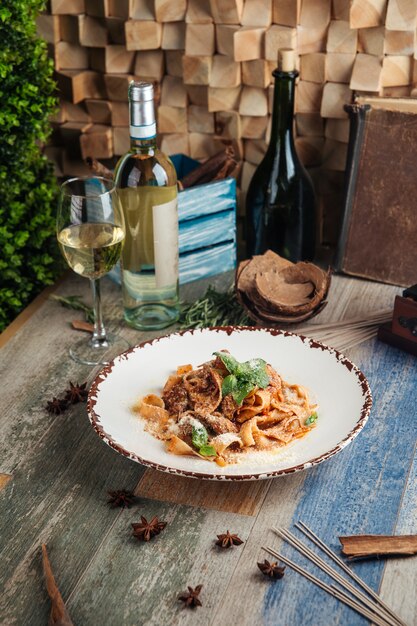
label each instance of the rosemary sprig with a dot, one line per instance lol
(76, 303)
(214, 308)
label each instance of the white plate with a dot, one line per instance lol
(338, 386)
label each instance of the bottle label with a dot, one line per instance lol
(165, 232)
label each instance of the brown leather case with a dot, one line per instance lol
(379, 232)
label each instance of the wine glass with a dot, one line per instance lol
(91, 231)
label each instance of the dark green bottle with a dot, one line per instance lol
(280, 203)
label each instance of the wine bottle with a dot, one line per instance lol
(91, 249)
(280, 203)
(147, 186)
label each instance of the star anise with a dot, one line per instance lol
(56, 406)
(190, 597)
(121, 498)
(76, 393)
(273, 570)
(227, 539)
(146, 530)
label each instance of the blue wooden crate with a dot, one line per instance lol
(207, 226)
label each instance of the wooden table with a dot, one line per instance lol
(56, 473)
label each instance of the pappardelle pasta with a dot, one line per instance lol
(223, 409)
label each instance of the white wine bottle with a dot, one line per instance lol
(147, 187)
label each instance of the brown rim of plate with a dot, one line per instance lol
(363, 382)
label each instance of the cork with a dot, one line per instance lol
(286, 60)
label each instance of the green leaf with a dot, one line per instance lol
(310, 420)
(255, 371)
(207, 451)
(229, 384)
(228, 361)
(199, 436)
(243, 389)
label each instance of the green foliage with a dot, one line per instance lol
(243, 377)
(28, 188)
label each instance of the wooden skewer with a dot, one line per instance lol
(314, 558)
(320, 544)
(385, 314)
(331, 590)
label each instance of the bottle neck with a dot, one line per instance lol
(283, 111)
(142, 126)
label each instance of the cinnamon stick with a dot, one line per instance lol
(98, 168)
(80, 325)
(59, 615)
(210, 168)
(360, 546)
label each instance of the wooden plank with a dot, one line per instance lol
(308, 97)
(61, 7)
(196, 70)
(277, 37)
(48, 27)
(248, 43)
(223, 99)
(200, 120)
(225, 72)
(226, 11)
(121, 140)
(203, 146)
(92, 32)
(257, 13)
(228, 125)
(309, 124)
(367, 13)
(173, 36)
(253, 101)
(117, 86)
(335, 96)
(149, 65)
(399, 42)
(111, 60)
(100, 111)
(338, 67)
(313, 25)
(198, 12)
(367, 73)
(254, 150)
(286, 12)
(256, 73)
(97, 142)
(173, 62)
(396, 71)
(243, 498)
(177, 143)
(341, 37)
(199, 39)
(172, 119)
(253, 127)
(312, 67)
(173, 92)
(142, 9)
(69, 56)
(154, 579)
(167, 11)
(143, 35)
(372, 40)
(401, 15)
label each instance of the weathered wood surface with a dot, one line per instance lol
(61, 472)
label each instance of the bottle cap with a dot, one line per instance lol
(141, 110)
(286, 60)
(140, 91)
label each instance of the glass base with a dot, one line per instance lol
(151, 316)
(89, 352)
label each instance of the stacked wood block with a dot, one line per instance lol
(211, 61)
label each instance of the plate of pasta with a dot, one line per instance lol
(233, 403)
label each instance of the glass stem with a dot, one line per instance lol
(99, 338)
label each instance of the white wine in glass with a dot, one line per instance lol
(91, 233)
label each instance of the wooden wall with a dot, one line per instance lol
(212, 61)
